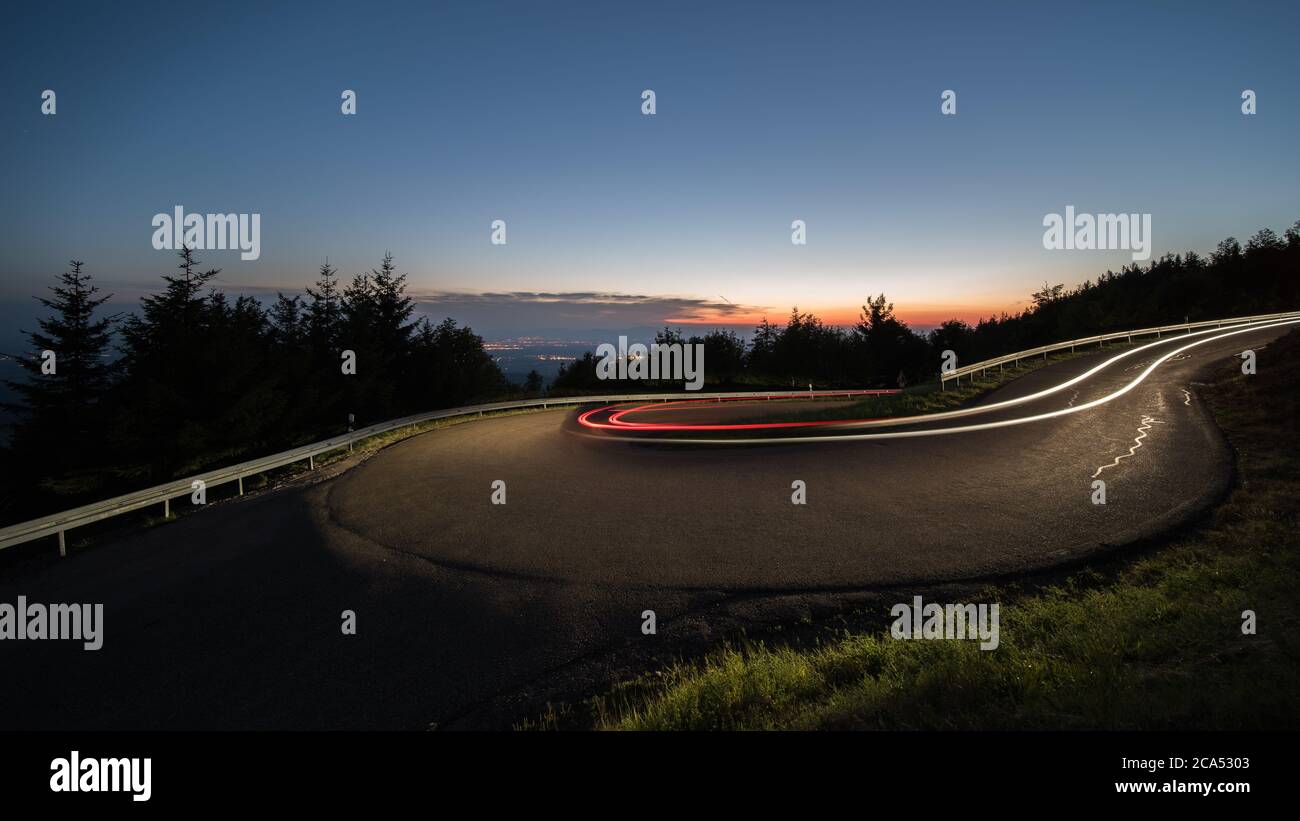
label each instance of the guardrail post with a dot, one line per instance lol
(241, 485)
(63, 545)
(311, 463)
(167, 508)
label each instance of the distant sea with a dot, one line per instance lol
(516, 357)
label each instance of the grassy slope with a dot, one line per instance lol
(922, 398)
(1155, 642)
(914, 401)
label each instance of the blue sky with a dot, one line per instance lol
(530, 112)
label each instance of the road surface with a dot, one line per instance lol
(230, 617)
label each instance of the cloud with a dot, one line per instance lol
(529, 312)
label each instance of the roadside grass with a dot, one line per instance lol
(913, 398)
(919, 399)
(380, 441)
(1153, 641)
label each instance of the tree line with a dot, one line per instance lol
(195, 379)
(880, 350)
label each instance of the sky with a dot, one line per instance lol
(531, 113)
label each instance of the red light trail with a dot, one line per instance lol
(617, 420)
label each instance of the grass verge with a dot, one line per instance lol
(914, 401)
(1154, 641)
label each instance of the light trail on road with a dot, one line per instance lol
(615, 419)
(1214, 335)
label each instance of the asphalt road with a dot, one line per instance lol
(230, 617)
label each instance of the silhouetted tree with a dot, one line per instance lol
(762, 349)
(165, 384)
(885, 346)
(59, 412)
(533, 383)
(724, 355)
(451, 367)
(325, 311)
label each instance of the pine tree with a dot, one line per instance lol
(289, 321)
(154, 340)
(325, 311)
(367, 394)
(61, 400)
(167, 351)
(378, 329)
(393, 309)
(533, 384)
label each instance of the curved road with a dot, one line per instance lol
(879, 512)
(230, 617)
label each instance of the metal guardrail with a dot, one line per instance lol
(59, 523)
(1101, 339)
